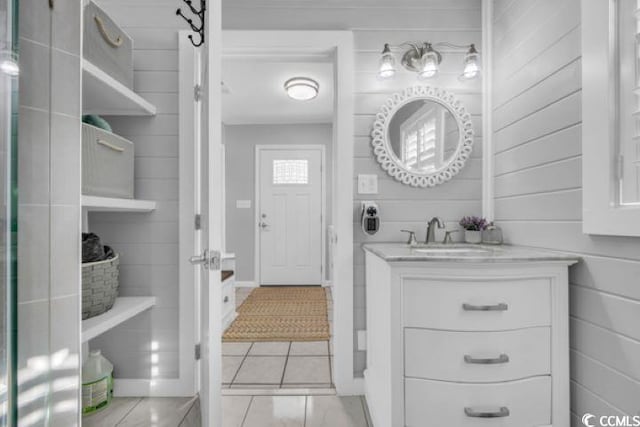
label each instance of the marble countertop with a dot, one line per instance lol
(459, 252)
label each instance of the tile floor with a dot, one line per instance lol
(293, 411)
(148, 411)
(237, 411)
(277, 365)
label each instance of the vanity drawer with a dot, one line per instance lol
(525, 403)
(474, 305)
(477, 356)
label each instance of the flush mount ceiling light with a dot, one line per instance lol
(424, 59)
(301, 88)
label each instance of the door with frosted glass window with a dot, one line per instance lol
(289, 208)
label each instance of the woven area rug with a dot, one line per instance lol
(286, 313)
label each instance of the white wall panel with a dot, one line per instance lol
(538, 180)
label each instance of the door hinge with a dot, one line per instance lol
(197, 92)
(198, 222)
(197, 351)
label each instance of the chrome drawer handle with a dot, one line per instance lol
(503, 358)
(496, 307)
(475, 413)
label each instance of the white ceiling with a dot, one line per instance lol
(257, 94)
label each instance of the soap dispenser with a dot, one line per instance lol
(492, 235)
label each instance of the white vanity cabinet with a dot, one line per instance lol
(467, 341)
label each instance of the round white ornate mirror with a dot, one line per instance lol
(422, 136)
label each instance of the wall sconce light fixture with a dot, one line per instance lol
(424, 59)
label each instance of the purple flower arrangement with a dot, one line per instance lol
(473, 223)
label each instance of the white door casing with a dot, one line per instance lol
(290, 203)
(210, 364)
(200, 230)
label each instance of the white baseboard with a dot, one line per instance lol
(327, 284)
(246, 284)
(151, 388)
(354, 387)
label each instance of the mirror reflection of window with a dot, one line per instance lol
(424, 136)
(418, 135)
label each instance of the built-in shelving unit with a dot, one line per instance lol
(108, 204)
(104, 95)
(123, 309)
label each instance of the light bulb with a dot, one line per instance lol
(429, 65)
(387, 64)
(471, 64)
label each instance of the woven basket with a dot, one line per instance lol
(100, 282)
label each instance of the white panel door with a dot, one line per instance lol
(208, 124)
(290, 216)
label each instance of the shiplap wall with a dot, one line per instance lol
(373, 24)
(537, 136)
(148, 243)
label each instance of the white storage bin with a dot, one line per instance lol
(106, 46)
(107, 164)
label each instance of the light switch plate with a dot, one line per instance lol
(243, 204)
(367, 184)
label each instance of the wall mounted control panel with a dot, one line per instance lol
(370, 218)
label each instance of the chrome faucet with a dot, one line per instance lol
(431, 231)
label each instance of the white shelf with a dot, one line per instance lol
(123, 309)
(108, 204)
(104, 95)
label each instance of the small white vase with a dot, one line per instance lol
(472, 236)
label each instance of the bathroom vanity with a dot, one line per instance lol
(467, 335)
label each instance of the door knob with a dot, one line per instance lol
(199, 259)
(263, 225)
(210, 260)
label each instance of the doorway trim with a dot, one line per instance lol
(323, 201)
(340, 46)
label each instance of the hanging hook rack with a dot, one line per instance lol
(195, 28)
